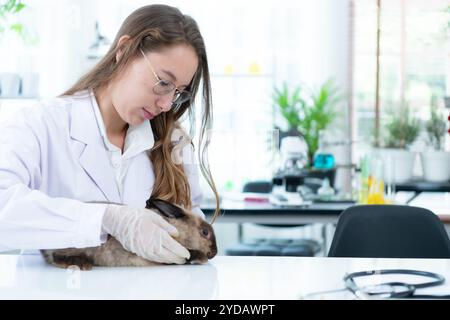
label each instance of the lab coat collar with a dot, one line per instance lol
(138, 139)
(83, 128)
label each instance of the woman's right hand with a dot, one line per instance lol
(145, 233)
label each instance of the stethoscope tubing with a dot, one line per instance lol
(408, 289)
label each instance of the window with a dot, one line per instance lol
(414, 59)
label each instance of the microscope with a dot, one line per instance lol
(294, 183)
(290, 176)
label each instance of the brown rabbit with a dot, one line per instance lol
(195, 234)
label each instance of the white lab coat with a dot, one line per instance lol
(52, 161)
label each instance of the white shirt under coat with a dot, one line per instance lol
(137, 140)
(54, 159)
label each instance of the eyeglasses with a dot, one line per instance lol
(164, 87)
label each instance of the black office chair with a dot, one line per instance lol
(389, 231)
(272, 247)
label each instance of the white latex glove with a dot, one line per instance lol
(145, 233)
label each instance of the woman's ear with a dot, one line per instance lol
(120, 46)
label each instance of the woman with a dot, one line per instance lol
(113, 137)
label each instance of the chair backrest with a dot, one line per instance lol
(389, 231)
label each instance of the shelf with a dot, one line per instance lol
(19, 98)
(421, 186)
(242, 75)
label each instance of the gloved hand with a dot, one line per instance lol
(145, 233)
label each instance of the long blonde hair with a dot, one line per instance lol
(152, 28)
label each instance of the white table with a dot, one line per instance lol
(437, 202)
(29, 277)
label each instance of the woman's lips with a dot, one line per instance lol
(148, 115)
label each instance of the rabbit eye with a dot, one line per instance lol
(205, 232)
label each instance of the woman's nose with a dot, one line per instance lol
(165, 102)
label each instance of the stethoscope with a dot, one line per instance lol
(393, 289)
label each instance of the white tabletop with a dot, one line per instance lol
(437, 202)
(29, 277)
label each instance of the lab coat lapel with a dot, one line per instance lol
(93, 158)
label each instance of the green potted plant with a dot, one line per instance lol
(290, 106)
(309, 115)
(401, 129)
(291, 142)
(436, 161)
(19, 81)
(9, 9)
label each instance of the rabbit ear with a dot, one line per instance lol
(166, 208)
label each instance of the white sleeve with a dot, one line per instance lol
(29, 219)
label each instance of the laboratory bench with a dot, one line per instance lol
(236, 211)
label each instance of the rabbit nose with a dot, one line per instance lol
(211, 254)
